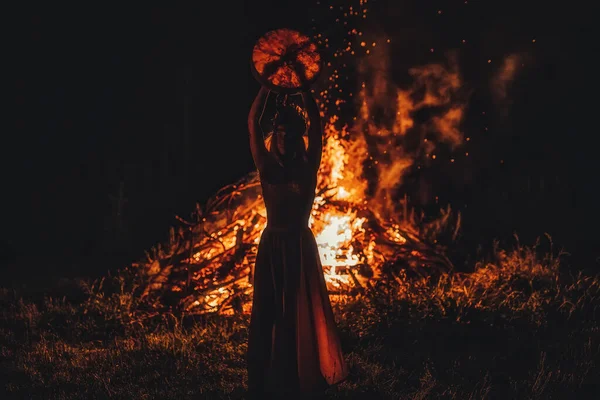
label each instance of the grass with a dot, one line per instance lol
(520, 325)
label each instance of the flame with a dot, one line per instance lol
(333, 242)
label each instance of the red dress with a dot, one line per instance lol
(293, 344)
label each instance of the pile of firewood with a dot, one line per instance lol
(207, 264)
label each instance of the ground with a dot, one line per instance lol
(523, 327)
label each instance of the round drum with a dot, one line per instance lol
(285, 61)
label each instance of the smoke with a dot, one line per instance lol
(401, 120)
(503, 79)
(387, 120)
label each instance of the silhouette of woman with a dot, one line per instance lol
(293, 345)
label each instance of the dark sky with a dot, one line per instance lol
(100, 101)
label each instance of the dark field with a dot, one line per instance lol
(519, 326)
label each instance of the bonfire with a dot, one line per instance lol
(367, 233)
(364, 239)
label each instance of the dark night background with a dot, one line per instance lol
(154, 100)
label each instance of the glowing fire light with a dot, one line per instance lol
(342, 231)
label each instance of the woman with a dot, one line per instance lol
(293, 345)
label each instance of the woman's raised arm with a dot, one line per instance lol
(315, 130)
(257, 143)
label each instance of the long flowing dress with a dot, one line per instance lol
(293, 344)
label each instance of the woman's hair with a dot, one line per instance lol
(295, 148)
(269, 141)
(292, 118)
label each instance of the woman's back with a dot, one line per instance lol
(289, 201)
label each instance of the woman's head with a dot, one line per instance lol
(290, 120)
(287, 140)
(286, 143)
